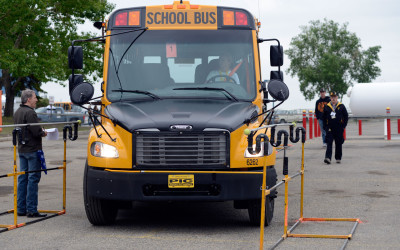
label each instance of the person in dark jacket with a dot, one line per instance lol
(319, 111)
(335, 121)
(29, 160)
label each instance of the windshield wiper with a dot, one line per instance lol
(116, 68)
(138, 92)
(211, 89)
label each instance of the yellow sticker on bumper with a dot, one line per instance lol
(181, 181)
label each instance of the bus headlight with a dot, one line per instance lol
(100, 149)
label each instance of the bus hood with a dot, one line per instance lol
(199, 114)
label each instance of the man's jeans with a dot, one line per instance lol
(28, 183)
(323, 132)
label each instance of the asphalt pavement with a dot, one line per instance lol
(365, 185)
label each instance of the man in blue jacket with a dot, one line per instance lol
(335, 119)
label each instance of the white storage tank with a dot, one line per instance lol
(372, 99)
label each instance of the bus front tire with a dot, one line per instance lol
(254, 210)
(99, 212)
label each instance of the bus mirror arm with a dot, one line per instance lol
(263, 86)
(101, 125)
(91, 113)
(262, 113)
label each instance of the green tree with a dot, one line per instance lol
(35, 35)
(326, 55)
(42, 102)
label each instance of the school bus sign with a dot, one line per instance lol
(181, 16)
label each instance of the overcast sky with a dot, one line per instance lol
(375, 22)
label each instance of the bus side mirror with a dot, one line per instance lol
(276, 75)
(75, 57)
(278, 90)
(276, 55)
(82, 93)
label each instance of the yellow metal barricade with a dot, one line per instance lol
(288, 232)
(265, 192)
(17, 135)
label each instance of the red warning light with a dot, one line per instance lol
(241, 18)
(121, 19)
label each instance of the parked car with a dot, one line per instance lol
(58, 114)
(296, 115)
(284, 116)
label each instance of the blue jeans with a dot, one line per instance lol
(323, 132)
(28, 184)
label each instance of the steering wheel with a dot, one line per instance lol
(228, 78)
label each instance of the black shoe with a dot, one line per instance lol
(36, 215)
(327, 161)
(21, 214)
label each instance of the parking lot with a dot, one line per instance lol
(366, 185)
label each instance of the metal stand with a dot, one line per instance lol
(288, 233)
(18, 134)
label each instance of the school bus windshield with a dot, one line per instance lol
(170, 63)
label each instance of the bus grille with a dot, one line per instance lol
(182, 149)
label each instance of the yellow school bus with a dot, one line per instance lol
(68, 106)
(65, 105)
(182, 82)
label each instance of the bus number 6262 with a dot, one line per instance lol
(252, 162)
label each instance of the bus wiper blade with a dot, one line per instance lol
(116, 69)
(138, 92)
(211, 89)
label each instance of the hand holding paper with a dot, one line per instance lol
(52, 134)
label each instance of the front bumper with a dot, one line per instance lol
(154, 186)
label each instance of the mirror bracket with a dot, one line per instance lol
(263, 86)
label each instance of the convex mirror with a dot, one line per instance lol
(278, 90)
(82, 93)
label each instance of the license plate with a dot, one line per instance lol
(181, 181)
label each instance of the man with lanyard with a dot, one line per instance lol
(335, 119)
(319, 110)
(227, 75)
(29, 159)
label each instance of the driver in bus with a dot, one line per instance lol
(224, 73)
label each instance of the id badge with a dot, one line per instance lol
(333, 115)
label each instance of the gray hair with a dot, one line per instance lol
(26, 94)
